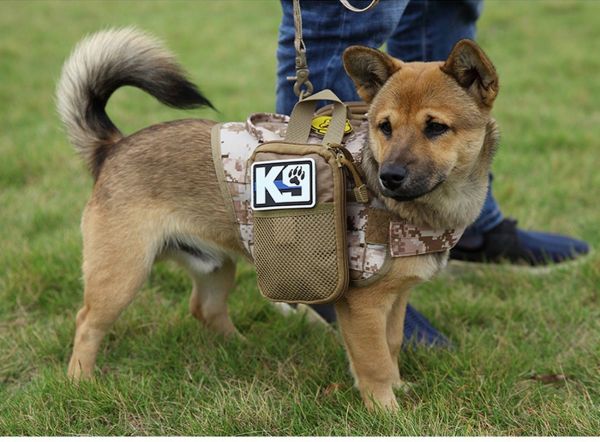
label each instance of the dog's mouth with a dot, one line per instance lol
(410, 195)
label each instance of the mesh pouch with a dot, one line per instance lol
(298, 201)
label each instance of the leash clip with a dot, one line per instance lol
(301, 77)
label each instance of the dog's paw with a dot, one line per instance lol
(380, 399)
(403, 386)
(387, 403)
(77, 372)
(237, 335)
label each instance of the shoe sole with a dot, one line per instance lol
(457, 267)
(312, 317)
(302, 309)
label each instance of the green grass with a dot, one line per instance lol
(161, 373)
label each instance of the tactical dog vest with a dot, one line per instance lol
(373, 235)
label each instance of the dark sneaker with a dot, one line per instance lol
(506, 243)
(419, 331)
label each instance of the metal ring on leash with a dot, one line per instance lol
(349, 6)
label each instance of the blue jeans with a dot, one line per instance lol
(415, 30)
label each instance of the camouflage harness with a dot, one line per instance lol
(373, 236)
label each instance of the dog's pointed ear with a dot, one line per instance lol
(369, 69)
(473, 70)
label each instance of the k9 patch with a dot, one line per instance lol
(283, 184)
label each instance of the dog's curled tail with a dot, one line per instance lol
(102, 63)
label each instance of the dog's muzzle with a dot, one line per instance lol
(396, 182)
(392, 176)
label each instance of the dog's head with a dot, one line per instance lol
(428, 121)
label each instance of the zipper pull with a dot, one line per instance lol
(335, 150)
(361, 194)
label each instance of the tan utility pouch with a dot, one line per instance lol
(298, 201)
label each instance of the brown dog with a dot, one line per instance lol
(156, 193)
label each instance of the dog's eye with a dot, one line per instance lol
(433, 129)
(386, 128)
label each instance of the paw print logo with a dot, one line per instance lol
(296, 175)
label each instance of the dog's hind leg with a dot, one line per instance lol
(208, 301)
(212, 283)
(116, 263)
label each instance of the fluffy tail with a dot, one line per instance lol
(102, 63)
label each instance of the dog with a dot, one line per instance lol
(156, 194)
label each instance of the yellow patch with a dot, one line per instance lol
(320, 125)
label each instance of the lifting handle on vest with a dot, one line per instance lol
(299, 128)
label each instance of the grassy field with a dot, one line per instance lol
(161, 373)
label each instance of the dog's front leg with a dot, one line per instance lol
(395, 333)
(362, 316)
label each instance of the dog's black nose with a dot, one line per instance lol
(392, 175)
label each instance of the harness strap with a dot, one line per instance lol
(408, 240)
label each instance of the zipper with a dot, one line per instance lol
(360, 189)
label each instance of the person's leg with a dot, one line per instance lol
(328, 29)
(430, 28)
(427, 32)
